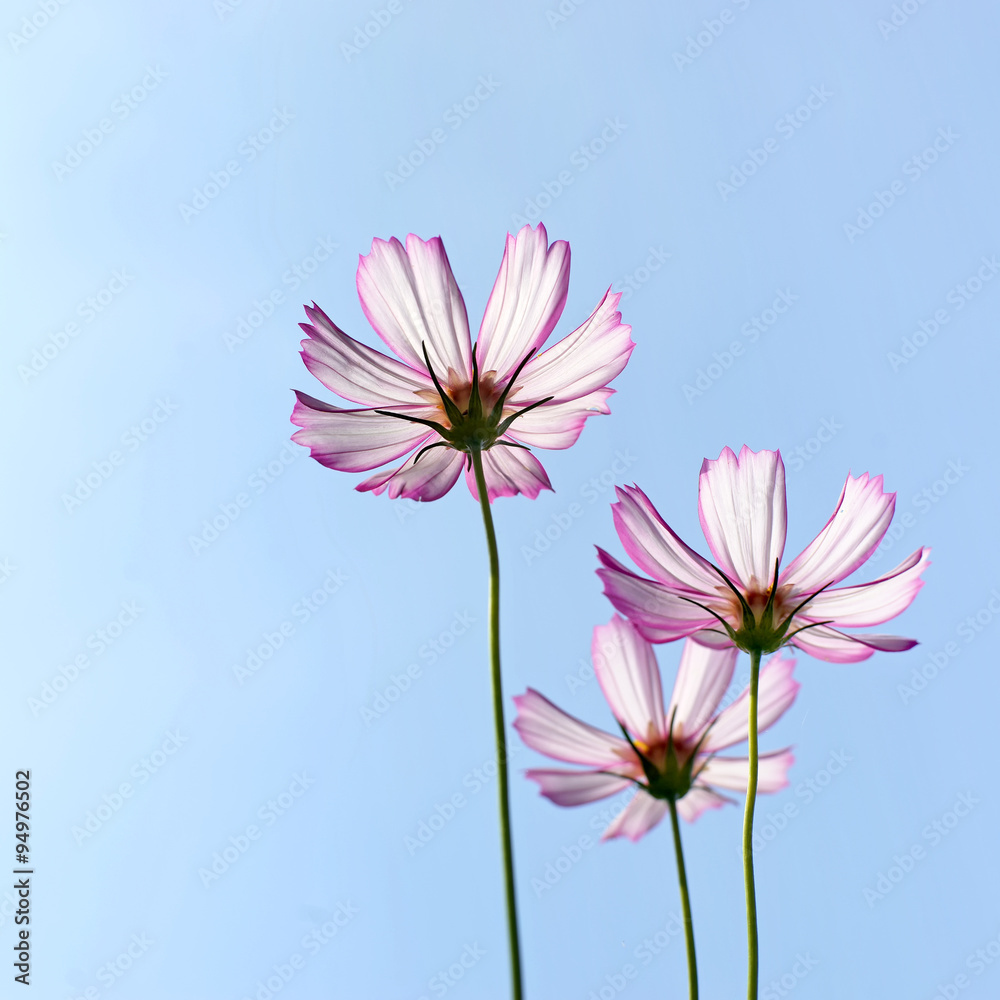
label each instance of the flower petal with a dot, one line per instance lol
(699, 799)
(558, 425)
(626, 669)
(734, 772)
(741, 504)
(510, 471)
(584, 360)
(354, 440)
(702, 679)
(655, 548)
(775, 693)
(852, 534)
(574, 788)
(354, 371)
(548, 729)
(658, 613)
(429, 479)
(641, 814)
(526, 302)
(838, 647)
(872, 603)
(410, 298)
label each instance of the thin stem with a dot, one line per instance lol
(752, 946)
(501, 735)
(685, 904)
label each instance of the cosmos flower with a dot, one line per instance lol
(440, 399)
(742, 600)
(666, 752)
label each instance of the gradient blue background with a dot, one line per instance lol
(411, 573)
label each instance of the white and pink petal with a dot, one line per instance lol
(847, 540)
(526, 302)
(626, 669)
(733, 773)
(776, 692)
(423, 478)
(655, 549)
(354, 371)
(558, 425)
(509, 471)
(703, 676)
(575, 788)
(828, 644)
(545, 727)
(639, 817)
(584, 360)
(741, 504)
(656, 610)
(354, 440)
(872, 603)
(411, 299)
(699, 799)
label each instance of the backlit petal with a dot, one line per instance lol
(775, 693)
(733, 773)
(574, 788)
(510, 471)
(548, 729)
(828, 644)
(699, 799)
(639, 817)
(703, 676)
(558, 425)
(630, 679)
(429, 479)
(410, 298)
(659, 613)
(655, 548)
(584, 360)
(354, 371)
(526, 302)
(852, 534)
(872, 603)
(741, 504)
(354, 440)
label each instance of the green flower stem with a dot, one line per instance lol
(685, 904)
(501, 735)
(752, 946)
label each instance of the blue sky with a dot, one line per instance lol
(798, 204)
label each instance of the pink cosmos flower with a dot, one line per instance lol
(742, 600)
(442, 398)
(667, 752)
